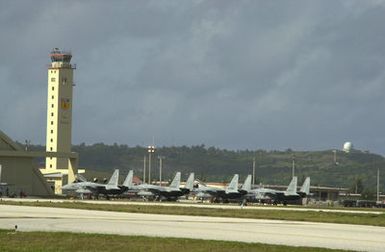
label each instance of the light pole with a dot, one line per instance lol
(160, 169)
(150, 149)
(378, 185)
(144, 169)
(253, 172)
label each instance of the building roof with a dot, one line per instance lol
(6, 143)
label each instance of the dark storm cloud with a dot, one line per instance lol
(234, 74)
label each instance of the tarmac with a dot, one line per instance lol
(198, 204)
(292, 233)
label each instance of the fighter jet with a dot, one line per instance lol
(83, 187)
(231, 192)
(172, 192)
(282, 197)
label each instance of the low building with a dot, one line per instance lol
(20, 173)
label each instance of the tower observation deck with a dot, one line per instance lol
(61, 59)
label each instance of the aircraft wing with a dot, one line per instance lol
(112, 187)
(206, 189)
(83, 190)
(265, 192)
(145, 193)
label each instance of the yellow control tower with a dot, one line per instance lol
(59, 119)
(59, 112)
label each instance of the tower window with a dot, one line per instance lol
(51, 114)
(50, 166)
(51, 140)
(53, 88)
(51, 105)
(51, 131)
(51, 122)
(50, 148)
(53, 79)
(53, 97)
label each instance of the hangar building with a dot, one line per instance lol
(20, 171)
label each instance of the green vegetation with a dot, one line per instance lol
(319, 216)
(60, 241)
(355, 170)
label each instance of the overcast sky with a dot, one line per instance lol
(306, 75)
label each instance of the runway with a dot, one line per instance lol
(293, 233)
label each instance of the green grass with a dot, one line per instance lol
(314, 216)
(60, 241)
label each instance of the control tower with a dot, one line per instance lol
(59, 111)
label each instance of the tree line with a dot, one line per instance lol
(215, 164)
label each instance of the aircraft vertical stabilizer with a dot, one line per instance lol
(292, 188)
(247, 184)
(190, 182)
(305, 189)
(233, 186)
(128, 181)
(176, 181)
(113, 182)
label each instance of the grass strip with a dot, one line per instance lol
(320, 216)
(63, 241)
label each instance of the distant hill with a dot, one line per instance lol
(213, 164)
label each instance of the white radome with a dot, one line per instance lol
(348, 146)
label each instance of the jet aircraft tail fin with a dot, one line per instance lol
(113, 182)
(176, 181)
(292, 188)
(247, 184)
(128, 181)
(190, 182)
(233, 186)
(305, 189)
